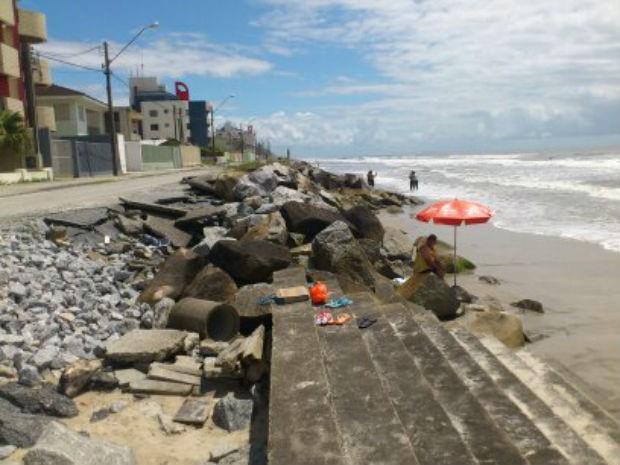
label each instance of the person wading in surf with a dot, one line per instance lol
(370, 177)
(413, 181)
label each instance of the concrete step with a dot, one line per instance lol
(553, 427)
(302, 427)
(488, 443)
(589, 422)
(433, 436)
(371, 430)
(521, 431)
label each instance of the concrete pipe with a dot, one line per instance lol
(213, 320)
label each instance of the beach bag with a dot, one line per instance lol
(318, 293)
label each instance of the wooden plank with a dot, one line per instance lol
(291, 295)
(193, 412)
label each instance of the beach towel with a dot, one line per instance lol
(338, 303)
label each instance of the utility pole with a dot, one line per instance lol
(31, 96)
(108, 77)
(212, 132)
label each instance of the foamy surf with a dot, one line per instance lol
(573, 196)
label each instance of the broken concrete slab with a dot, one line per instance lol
(160, 373)
(146, 346)
(165, 228)
(128, 376)
(193, 368)
(84, 218)
(209, 347)
(59, 445)
(201, 214)
(193, 412)
(153, 207)
(151, 386)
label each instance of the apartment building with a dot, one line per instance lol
(19, 29)
(164, 116)
(199, 112)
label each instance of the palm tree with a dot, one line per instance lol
(14, 135)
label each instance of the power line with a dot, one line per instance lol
(49, 57)
(72, 55)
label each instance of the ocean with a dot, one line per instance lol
(573, 196)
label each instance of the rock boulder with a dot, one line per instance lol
(434, 294)
(251, 261)
(211, 283)
(366, 223)
(308, 219)
(336, 250)
(397, 245)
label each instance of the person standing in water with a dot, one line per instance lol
(370, 177)
(413, 181)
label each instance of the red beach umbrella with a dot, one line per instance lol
(455, 213)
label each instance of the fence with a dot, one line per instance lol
(133, 154)
(160, 158)
(62, 158)
(190, 155)
(93, 158)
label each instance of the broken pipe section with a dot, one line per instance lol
(212, 320)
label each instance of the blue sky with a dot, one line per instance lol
(369, 77)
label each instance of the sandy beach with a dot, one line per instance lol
(577, 283)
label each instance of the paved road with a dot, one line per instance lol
(15, 203)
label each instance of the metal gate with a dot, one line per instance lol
(92, 158)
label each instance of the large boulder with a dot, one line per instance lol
(397, 245)
(271, 227)
(326, 179)
(265, 177)
(366, 222)
(309, 219)
(335, 249)
(176, 272)
(251, 261)
(212, 234)
(58, 445)
(225, 184)
(505, 327)
(245, 188)
(283, 194)
(434, 294)
(42, 399)
(211, 283)
(354, 181)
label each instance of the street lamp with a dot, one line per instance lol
(219, 105)
(108, 76)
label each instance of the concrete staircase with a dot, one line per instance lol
(407, 391)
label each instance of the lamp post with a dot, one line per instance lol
(108, 76)
(219, 105)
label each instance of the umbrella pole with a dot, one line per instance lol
(454, 263)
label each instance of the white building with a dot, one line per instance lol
(165, 119)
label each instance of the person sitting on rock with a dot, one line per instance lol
(370, 177)
(426, 260)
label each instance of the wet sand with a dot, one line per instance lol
(578, 284)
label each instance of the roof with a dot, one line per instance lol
(59, 91)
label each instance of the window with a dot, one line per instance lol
(166, 111)
(61, 111)
(154, 127)
(153, 113)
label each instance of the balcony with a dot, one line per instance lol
(12, 104)
(41, 73)
(32, 27)
(46, 118)
(7, 15)
(9, 61)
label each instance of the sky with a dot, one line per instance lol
(367, 77)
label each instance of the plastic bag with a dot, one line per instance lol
(318, 293)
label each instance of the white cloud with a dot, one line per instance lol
(455, 70)
(173, 56)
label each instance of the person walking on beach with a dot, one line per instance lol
(413, 181)
(370, 177)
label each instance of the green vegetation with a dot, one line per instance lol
(14, 135)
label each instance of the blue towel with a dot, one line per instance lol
(338, 303)
(267, 300)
